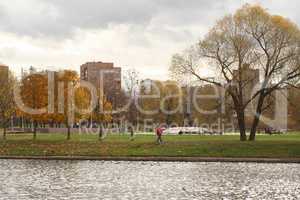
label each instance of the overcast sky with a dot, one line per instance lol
(141, 34)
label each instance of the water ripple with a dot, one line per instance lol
(25, 179)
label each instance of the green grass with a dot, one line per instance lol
(283, 146)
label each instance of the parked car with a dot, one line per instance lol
(187, 130)
(272, 131)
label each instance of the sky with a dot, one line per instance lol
(139, 34)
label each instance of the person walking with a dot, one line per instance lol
(159, 132)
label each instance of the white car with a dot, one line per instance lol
(186, 130)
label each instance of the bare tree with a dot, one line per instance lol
(131, 79)
(132, 82)
(251, 39)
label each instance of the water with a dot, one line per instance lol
(25, 179)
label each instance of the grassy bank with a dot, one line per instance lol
(283, 146)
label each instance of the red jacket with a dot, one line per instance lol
(159, 131)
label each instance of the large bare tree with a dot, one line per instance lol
(250, 39)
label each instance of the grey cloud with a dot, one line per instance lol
(58, 18)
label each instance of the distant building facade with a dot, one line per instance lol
(4, 70)
(249, 77)
(103, 76)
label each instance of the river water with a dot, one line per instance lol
(35, 179)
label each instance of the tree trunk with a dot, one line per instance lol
(69, 132)
(100, 132)
(4, 132)
(256, 118)
(242, 126)
(34, 129)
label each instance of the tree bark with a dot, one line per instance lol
(256, 118)
(100, 135)
(242, 126)
(69, 132)
(4, 132)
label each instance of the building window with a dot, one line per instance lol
(85, 73)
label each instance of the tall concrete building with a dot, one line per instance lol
(103, 76)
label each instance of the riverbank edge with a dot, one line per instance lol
(157, 159)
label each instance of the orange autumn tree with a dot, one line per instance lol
(93, 107)
(72, 100)
(65, 82)
(7, 106)
(82, 101)
(34, 96)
